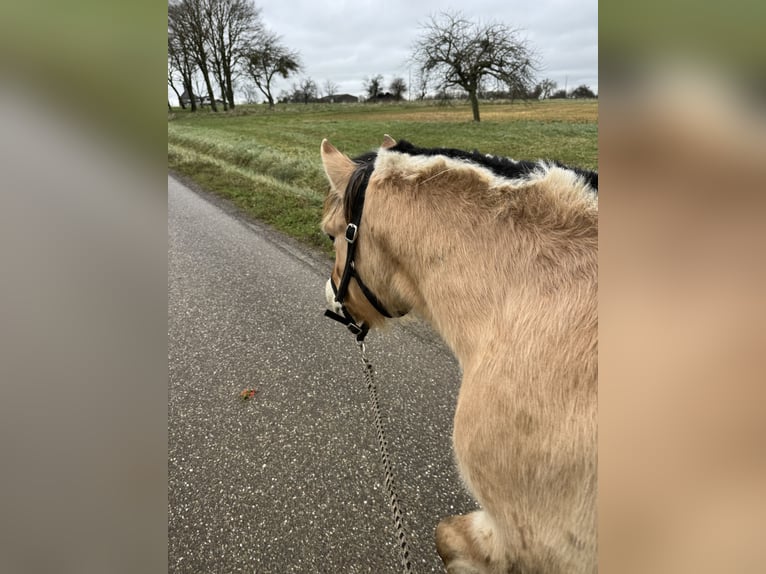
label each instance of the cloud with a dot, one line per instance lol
(348, 41)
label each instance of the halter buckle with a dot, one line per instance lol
(354, 328)
(352, 231)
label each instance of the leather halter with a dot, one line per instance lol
(355, 194)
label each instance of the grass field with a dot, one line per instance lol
(267, 162)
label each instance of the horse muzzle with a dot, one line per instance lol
(332, 303)
(342, 315)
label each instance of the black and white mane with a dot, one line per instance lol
(501, 166)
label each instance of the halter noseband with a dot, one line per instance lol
(357, 186)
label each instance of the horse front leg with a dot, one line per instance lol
(472, 543)
(464, 542)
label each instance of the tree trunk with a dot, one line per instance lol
(209, 86)
(230, 96)
(269, 97)
(265, 89)
(218, 75)
(223, 97)
(183, 106)
(188, 88)
(474, 98)
(229, 86)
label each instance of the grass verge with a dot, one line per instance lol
(267, 162)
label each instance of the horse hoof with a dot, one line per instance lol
(458, 548)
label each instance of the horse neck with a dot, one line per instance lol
(470, 273)
(455, 275)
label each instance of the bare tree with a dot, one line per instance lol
(330, 88)
(173, 68)
(546, 88)
(181, 53)
(232, 25)
(268, 58)
(190, 16)
(463, 53)
(251, 93)
(304, 91)
(398, 87)
(372, 86)
(171, 83)
(422, 81)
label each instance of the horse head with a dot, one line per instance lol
(359, 291)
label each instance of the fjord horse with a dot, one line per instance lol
(500, 257)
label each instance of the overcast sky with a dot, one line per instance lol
(346, 41)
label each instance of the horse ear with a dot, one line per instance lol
(337, 166)
(388, 142)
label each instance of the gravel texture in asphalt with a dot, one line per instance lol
(290, 480)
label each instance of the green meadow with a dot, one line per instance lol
(267, 161)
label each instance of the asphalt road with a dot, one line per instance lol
(290, 481)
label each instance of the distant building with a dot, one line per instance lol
(384, 97)
(185, 100)
(201, 100)
(339, 99)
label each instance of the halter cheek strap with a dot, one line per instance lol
(359, 180)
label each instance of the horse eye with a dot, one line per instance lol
(332, 237)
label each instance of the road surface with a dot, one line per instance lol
(290, 481)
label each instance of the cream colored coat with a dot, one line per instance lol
(506, 272)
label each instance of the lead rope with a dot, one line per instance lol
(393, 500)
